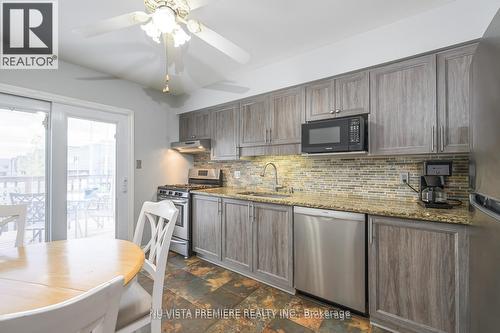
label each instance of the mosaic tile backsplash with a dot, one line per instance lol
(365, 176)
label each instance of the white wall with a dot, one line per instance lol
(155, 124)
(457, 22)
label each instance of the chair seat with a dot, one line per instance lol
(134, 304)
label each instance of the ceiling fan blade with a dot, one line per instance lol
(195, 4)
(113, 24)
(221, 43)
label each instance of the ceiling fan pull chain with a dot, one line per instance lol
(167, 77)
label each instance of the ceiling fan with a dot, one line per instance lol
(164, 19)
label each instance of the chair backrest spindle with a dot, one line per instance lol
(161, 217)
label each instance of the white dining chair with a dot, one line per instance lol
(138, 308)
(16, 214)
(94, 311)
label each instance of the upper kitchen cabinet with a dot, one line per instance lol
(320, 100)
(254, 115)
(286, 116)
(272, 119)
(352, 94)
(453, 99)
(225, 132)
(194, 126)
(343, 96)
(403, 107)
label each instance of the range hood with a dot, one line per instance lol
(192, 147)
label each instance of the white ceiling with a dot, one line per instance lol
(270, 30)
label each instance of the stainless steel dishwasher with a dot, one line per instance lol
(330, 256)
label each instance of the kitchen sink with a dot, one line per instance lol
(265, 195)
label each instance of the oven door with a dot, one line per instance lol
(181, 229)
(327, 136)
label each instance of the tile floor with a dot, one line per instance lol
(195, 288)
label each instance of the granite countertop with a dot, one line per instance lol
(356, 204)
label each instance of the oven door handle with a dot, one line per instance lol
(179, 202)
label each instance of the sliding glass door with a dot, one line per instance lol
(91, 178)
(91, 148)
(71, 167)
(23, 181)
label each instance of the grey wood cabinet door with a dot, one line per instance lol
(206, 223)
(194, 125)
(254, 121)
(286, 116)
(320, 100)
(185, 125)
(418, 275)
(225, 132)
(403, 107)
(352, 94)
(273, 244)
(236, 234)
(202, 128)
(454, 99)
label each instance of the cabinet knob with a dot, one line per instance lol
(332, 111)
(337, 110)
(193, 136)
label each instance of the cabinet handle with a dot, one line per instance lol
(270, 136)
(370, 231)
(442, 138)
(266, 136)
(250, 217)
(433, 137)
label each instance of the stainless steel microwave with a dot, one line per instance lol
(349, 134)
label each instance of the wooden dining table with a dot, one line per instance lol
(43, 274)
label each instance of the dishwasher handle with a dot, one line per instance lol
(329, 214)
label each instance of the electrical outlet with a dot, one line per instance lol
(237, 174)
(404, 177)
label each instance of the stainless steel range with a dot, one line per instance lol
(180, 195)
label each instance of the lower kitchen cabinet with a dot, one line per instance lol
(237, 234)
(250, 238)
(273, 243)
(206, 213)
(418, 275)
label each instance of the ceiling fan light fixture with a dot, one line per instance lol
(193, 26)
(180, 36)
(152, 31)
(164, 19)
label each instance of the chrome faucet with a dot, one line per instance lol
(263, 173)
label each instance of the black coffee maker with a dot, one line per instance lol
(432, 194)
